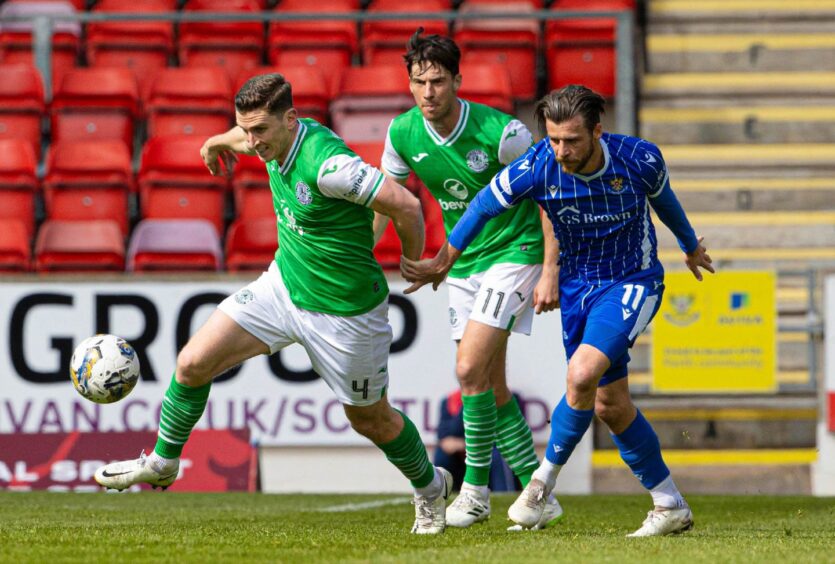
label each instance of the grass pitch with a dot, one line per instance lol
(150, 526)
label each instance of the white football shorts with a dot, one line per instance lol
(349, 353)
(501, 297)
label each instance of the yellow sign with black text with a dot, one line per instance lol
(719, 335)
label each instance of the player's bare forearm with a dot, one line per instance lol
(546, 294)
(429, 271)
(381, 221)
(394, 201)
(698, 258)
(222, 149)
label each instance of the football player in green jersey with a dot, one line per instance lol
(455, 147)
(324, 290)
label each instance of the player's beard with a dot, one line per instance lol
(569, 167)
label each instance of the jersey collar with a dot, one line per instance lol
(294, 149)
(456, 131)
(602, 169)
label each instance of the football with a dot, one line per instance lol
(104, 368)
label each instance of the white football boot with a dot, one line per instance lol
(430, 513)
(122, 475)
(529, 507)
(660, 522)
(551, 515)
(469, 507)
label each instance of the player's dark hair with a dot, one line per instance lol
(569, 101)
(270, 91)
(434, 49)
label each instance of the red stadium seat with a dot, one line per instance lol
(387, 251)
(370, 97)
(385, 41)
(310, 90)
(79, 246)
(18, 182)
(16, 36)
(434, 221)
(583, 51)
(251, 244)
(174, 245)
(189, 101)
(175, 184)
(328, 45)
(89, 180)
(95, 103)
(21, 104)
(231, 46)
(511, 43)
(487, 84)
(251, 188)
(15, 252)
(143, 47)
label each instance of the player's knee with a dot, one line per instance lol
(472, 375)
(609, 413)
(192, 368)
(581, 381)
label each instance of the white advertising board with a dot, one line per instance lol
(279, 398)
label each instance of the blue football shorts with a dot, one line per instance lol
(609, 316)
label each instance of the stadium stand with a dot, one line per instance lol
(508, 43)
(174, 184)
(328, 45)
(143, 47)
(251, 189)
(15, 252)
(189, 101)
(22, 106)
(95, 103)
(18, 183)
(16, 36)
(77, 246)
(230, 45)
(310, 89)
(174, 245)
(487, 84)
(369, 98)
(89, 180)
(251, 244)
(383, 42)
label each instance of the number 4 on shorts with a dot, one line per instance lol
(357, 389)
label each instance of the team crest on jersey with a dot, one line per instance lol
(477, 160)
(616, 184)
(303, 194)
(244, 296)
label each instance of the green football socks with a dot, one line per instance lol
(515, 441)
(479, 436)
(182, 407)
(409, 455)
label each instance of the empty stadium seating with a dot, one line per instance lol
(487, 84)
(384, 41)
(251, 189)
(18, 182)
(369, 98)
(328, 45)
(175, 184)
(75, 246)
(95, 103)
(21, 104)
(189, 101)
(251, 244)
(174, 245)
(15, 254)
(89, 180)
(233, 45)
(310, 89)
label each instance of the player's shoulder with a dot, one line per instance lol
(407, 119)
(627, 146)
(324, 141)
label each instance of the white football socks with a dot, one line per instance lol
(666, 494)
(547, 473)
(434, 488)
(162, 465)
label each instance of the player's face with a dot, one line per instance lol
(435, 90)
(268, 134)
(577, 149)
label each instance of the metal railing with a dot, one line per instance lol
(625, 99)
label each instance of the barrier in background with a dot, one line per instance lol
(823, 471)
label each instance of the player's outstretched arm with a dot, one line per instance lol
(223, 148)
(403, 208)
(546, 294)
(698, 258)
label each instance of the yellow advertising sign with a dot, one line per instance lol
(719, 335)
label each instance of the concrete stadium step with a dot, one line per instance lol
(755, 194)
(740, 52)
(718, 160)
(747, 10)
(739, 88)
(730, 124)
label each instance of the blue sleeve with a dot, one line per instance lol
(670, 212)
(483, 207)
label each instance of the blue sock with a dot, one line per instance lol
(568, 425)
(640, 449)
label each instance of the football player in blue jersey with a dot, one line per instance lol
(597, 189)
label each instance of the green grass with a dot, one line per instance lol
(151, 526)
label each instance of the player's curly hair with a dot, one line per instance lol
(434, 49)
(270, 91)
(569, 101)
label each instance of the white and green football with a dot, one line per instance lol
(104, 368)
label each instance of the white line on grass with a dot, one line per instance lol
(361, 506)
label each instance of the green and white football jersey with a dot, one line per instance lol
(321, 196)
(455, 168)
